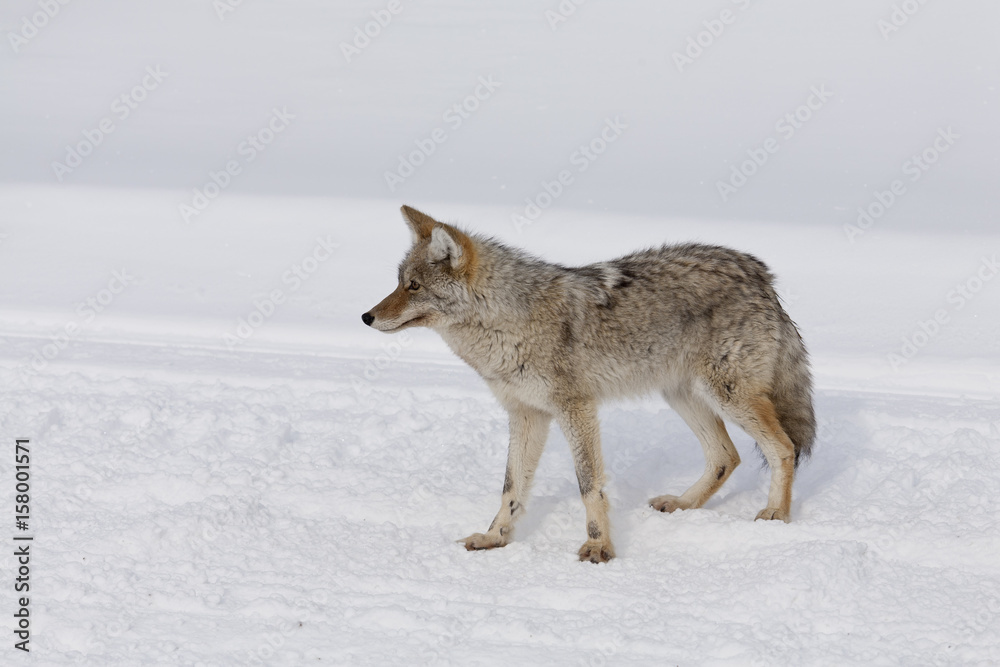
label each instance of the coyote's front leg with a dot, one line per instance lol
(579, 422)
(529, 429)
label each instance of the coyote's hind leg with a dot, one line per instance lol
(721, 457)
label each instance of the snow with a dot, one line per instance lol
(206, 491)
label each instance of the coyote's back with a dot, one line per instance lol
(700, 324)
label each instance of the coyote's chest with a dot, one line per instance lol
(497, 354)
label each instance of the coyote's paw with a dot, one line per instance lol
(774, 514)
(667, 504)
(596, 551)
(479, 541)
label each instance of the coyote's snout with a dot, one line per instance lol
(699, 324)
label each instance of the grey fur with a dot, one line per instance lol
(700, 324)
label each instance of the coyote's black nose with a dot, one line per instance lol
(368, 318)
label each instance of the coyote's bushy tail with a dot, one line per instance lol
(791, 393)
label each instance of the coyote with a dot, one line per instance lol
(700, 324)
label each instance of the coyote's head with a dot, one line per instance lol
(434, 277)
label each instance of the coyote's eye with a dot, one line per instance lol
(414, 286)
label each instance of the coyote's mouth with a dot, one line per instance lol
(408, 323)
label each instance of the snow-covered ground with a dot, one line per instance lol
(228, 468)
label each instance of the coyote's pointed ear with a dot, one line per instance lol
(444, 246)
(420, 224)
(453, 245)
